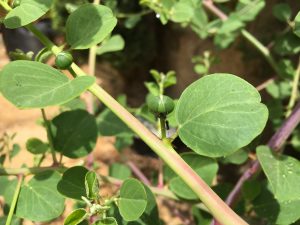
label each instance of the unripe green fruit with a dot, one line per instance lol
(16, 3)
(160, 105)
(63, 60)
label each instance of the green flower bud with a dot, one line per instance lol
(63, 60)
(160, 105)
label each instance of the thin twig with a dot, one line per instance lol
(209, 4)
(263, 85)
(138, 173)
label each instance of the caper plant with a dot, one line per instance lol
(216, 117)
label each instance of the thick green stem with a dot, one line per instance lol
(50, 136)
(14, 201)
(213, 202)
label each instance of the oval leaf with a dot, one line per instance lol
(36, 146)
(91, 185)
(39, 199)
(76, 133)
(205, 167)
(219, 114)
(29, 84)
(76, 217)
(27, 12)
(71, 184)
(133, 199)
(92, 31)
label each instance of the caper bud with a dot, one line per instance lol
(63, 60)
(160, 105)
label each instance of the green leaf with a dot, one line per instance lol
(283, 173)
(297, 25)
(182, 11)
(238, 157)
(247, 10)
(75, 103)
(28, 11)
(76, 133)
(277, 212)
(106, 221)
(150, 215)
(92, 31)
(72, 183)
(119, 171)
(113, 44)
(251, 189)
(123, 141)
(219, 114)
(132, 21)
(110, 125)
(7, 189)
(199, 22)
(279, 90)
(206, 168)
(36, 85)
(76, 217)
(287, 44)
(39, 199)
(282, 11)
(152, 88)
(201, 217)
(133, 199)
(14, 151)
(92, 185)
(227, 33)
(36, 146)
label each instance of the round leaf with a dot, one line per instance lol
(133, 200)
(72, 184)
(29, 84)
(96, 22)
(36, 146)
(76, 217)
(27, 12)
(76, 133)
(218, 114)
(39, 199)
(206, 168)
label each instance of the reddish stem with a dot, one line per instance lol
(138, 173)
